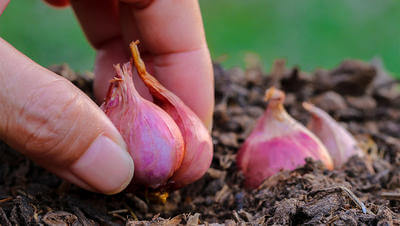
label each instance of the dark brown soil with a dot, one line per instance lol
(359, 95)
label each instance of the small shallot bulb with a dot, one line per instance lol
(339, 142)
(278, 142)
(197, 140)
(154, 140)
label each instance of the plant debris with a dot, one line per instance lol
(366, 191)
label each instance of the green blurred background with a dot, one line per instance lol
(309, 33)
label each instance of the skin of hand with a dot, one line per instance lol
(51, 121)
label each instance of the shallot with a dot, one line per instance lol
(153, 139)
(278, 142)
(198, 148)
(339, 142)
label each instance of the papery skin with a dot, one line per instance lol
(154, 140)
(339, 142)
(197, 140)
(278, 142)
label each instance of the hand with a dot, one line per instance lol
(48, 119)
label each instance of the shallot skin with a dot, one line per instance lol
(197, 140)
(269, 157)
(278, 142)
(339, 142)
(154, 140)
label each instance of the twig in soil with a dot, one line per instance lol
(119, 216)
(5, 199)
(132, 213)
(354, 198)
(221, 194)
(236, 216)
(390, 195)
(333, 219)
(118, 211)
(20, 192)
(155, 217)
(115, 213)
(351, 195)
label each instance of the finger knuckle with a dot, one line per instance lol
(48, 119)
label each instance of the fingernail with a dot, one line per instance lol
(105, 166)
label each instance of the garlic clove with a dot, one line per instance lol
(154, 140)
(339, 142)
(197, 140)
(278, 142)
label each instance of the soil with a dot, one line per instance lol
(360, 95)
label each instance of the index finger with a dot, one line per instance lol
(173, 36)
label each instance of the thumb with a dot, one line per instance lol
(51, 121)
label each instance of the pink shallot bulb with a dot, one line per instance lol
(154, 140)
(278, 142)
(197, 140)
(339, 142)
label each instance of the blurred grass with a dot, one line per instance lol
(312, 33)
(47, 35)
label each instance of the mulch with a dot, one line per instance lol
(361, 96)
